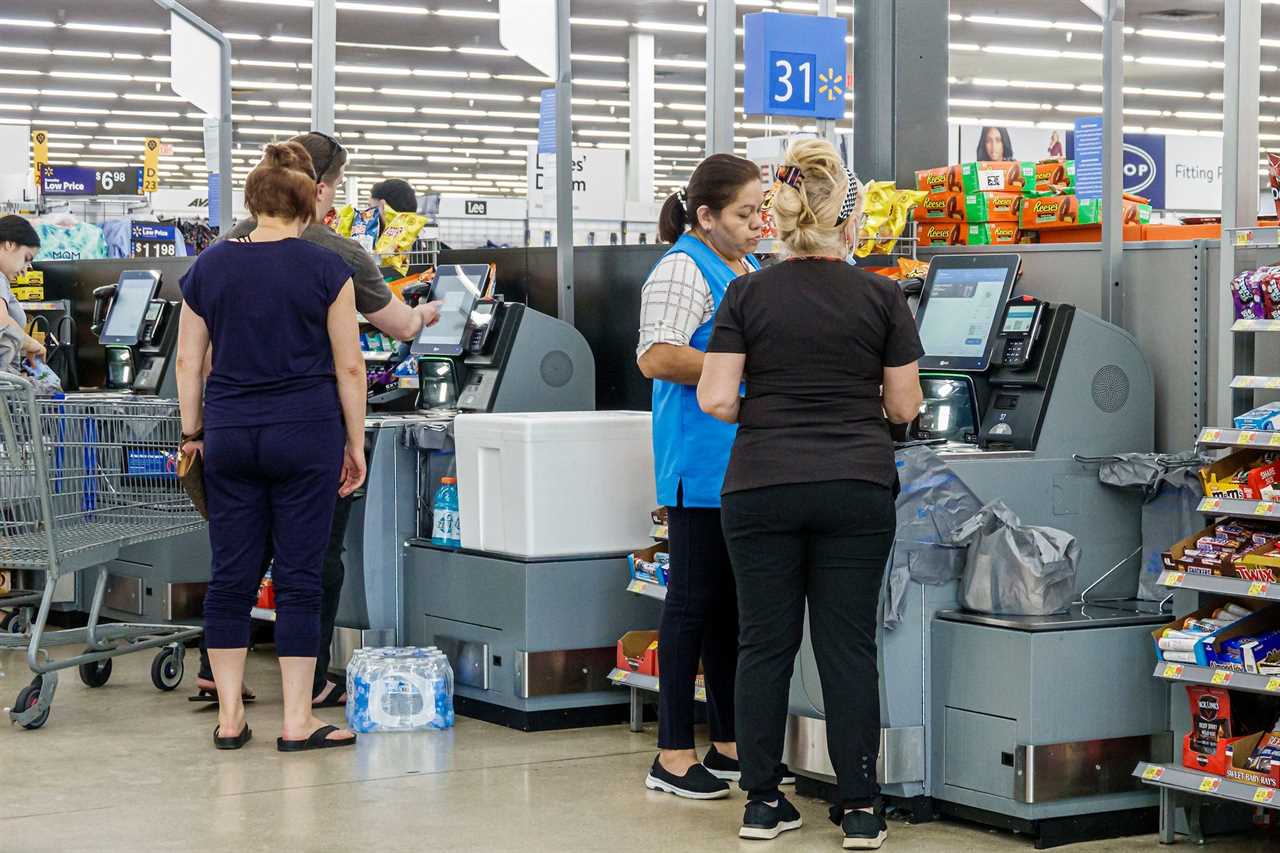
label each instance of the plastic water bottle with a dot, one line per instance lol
(446, 527)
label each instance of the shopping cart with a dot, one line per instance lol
(81, 477)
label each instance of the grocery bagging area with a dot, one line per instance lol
(856, 431)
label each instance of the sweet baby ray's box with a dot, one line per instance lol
(554, 484)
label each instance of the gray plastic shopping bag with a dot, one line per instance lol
(1171, 491)
(933, 500)
(1015, 569)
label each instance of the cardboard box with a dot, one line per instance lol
(994, 234)
(1217, 478)
(1238, 751)
(969, 207)
(1207, 647)
(1067, 211)
(647, 566)
(1055, 173)
(638, 652)
(1010, 176)
(29, 286)
(941, 233)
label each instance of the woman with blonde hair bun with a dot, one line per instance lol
(829, 356)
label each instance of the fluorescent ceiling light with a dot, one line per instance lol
(83, 54)
(1034, 23)
(243, 36)
(1077, 108)
(116, 28)
(26, 22)
(77, 93)
(86, 75)
(433, 72)
(382, 7)
(300, 4)
(363, 90)
(613, 23)
(410, 47)
(39, 51)
(1180, 34)
(26, 108)
(290, 39)
(524, 78)
(468, 13)
(1021, 84)
(1199, 115)
(681, 87)
(263, 84)
(604, 84)
(668, 27)
(679, 63)
(374, 108)
(1176, 62)
(484, 51)
(374, 69)
(596, 57)
(964, 46)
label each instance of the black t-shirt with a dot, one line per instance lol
(817, 335)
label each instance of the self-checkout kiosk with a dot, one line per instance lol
(162, 581)
(139, 331)
(493, 615)
(1019, 720)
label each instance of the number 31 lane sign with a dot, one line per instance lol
(796, 65)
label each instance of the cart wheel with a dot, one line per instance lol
(15, 622)
(167, 669)
(29, 697)
(96, 673)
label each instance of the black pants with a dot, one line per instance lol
(827, 543)
(699, 620)
(331, 593)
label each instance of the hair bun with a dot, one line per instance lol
(288, 155)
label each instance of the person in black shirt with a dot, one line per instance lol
(829, 356)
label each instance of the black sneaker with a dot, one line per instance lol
(863, 830)
(696, 784)
(721, 765)
(765, 822)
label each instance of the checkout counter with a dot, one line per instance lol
(1019, 721)
(531, 642)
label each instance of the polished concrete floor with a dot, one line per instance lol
(126, 768)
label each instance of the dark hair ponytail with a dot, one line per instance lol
(17, 230)
(714, 185)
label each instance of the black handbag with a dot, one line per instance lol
(60, 349)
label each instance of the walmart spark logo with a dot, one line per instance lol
(831, 86)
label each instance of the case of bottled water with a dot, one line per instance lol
(399, 690)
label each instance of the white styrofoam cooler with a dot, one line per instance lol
(555, 484)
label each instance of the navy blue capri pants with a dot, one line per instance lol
(270, 489)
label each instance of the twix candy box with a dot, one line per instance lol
(969, 207)
(1010, 176)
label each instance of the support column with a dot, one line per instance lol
(900, 110)
(1113, 162)
(564, 166)
(324, 59)
(827, 126)
(640, 158)
(722, 55)
(1241, 89)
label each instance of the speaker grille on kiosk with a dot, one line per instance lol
(557, 368)
(1110, 389)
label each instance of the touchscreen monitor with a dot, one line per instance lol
(960, 306)
(458, 287)
(129, 306)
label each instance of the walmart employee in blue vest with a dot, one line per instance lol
(715, 225)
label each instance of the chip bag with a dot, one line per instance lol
(398, 239)
(877, 209)
(899, 211)
(342, 222)
(367, 227)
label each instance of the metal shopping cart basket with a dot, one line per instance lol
(81, 477)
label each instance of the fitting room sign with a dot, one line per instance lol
(599, 183)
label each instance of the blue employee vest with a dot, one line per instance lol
(690, 448)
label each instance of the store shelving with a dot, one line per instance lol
(1240, 508)
(1256, 326)
(648, 683)
(1216, 585)
(1187, 673)
(1238, 438)
(1256, 383)
(1193, 782)
(647, 589)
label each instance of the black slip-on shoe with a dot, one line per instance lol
(721, 765)
(696, 784)
(863, 830)
(764, 822)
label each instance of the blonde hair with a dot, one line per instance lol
(805, 216)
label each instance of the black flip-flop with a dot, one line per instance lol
(319, 739)
(204, 694)
(246, 734)
(335, 699)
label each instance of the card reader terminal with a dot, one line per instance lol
(1019, 328)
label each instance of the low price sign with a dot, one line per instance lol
(796, 65)
(79, 180)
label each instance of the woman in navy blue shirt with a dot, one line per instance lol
(280, 316)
